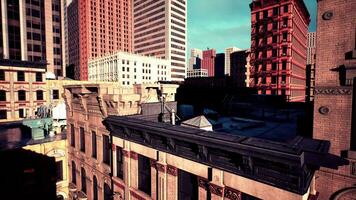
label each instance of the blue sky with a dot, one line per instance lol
(224, 23)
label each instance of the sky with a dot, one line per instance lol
(220, 24)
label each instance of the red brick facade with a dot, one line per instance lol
(208, 62)
(278, 47)
(333, 100)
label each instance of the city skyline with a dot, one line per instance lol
(225, 23)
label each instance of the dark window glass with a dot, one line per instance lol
(2, 75)
(264, 80)
(20, 76)
(74, 173)
(275, 39)
(21, 113)
(106, 149)
(265, 14)
(257, 16)
(39, 77)
(284, 78)
(3, 114)
(21, 95)
(59, 167)
(95, 188)
(39, 95)
(187, 186)
(285, 9)
(82, 139)
(144, 174)
(83, 179)
(72, 135)
(275, 11)
(2, 95)
(274, 66)
(285, 35)
(274, 52)
(93, 145)
(284, 65)
(119, 163)
(274, 79)
(55, 94)
(275, 25)
(285, 22)
(107, 192)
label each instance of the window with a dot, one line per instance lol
(2, 95)
(82, 139)
(74, 174)
(284, 51)
(265, 14)
(21, 94)
(106, 150)
(275, 39)
(20, 76)
(275, 11)
(72, 138)
(285, 22)
(83, 180)
(187, 186)
(107, 192)
(2, 75)
(93, 144)
(21, 113)
(353, 168)
(284, 65)
(39, 95)
(55, 94)
(284, 78)
(274, 66)
(285, 36)
(39, 77)
(59, 167)
(285, 9)
(3, 114)
(119, 163)
(144, 174)
(257, 16)
(274, 79)
(274, 52)
(275, 25)
(95, 188)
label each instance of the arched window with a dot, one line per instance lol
(74, 175)
(84, 182)
(2, 95)
(95, 188)
(107, 192)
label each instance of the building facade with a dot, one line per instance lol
(160, 30)
(311, 48)
(219, 68)
(208, 62)
(196, 56)
(97, 28)
(197, 73)
(32, 31)
(129, 69)
(240, 66)
(89, 142)
(22, 89)
(310, 70)
(279, 48)
(228, 52)
(335, 95)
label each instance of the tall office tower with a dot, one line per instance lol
(65, 35)
(219, 65)
(335, 94)
(31, 31)
(208, 62)
(240, 67)
(196, 56)
(96, 28)
(311, 48)
(228, 52)
(279, 48)
(160, 29)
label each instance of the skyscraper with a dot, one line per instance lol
(160, 29)
(195, 59)
(228, 53)
(311, 48)
(208, 62)
(97, 28)
(279, 47)
(32, 31)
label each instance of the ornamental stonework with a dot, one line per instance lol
(333, 91)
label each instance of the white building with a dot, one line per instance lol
(129, 69)
(192, 73)
(160, 30)
(228, 52)
(311, 48)
(194, 55)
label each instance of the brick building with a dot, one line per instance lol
(22, 89)
(96, 28)
(89, 143)
(335, 105)
(240, 67)
(278, 47)
(208, 62)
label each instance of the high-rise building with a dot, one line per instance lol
(32, 31)
(240, 67)
(335, 94)
(96, 28)
(310, 69)
(279, 48)
(311, 48)
(219, 68)
(160, 29)
(208, 62)
(129, 69)
(228, 52)
(195, 59)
